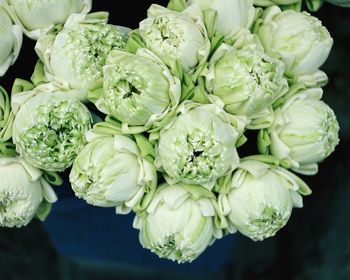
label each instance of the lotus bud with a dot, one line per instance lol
(37, 17)
(74, 56)
(297, 38)
(110, 172)
(10, 40)
(22, 191)
(199, 145)
(261, 198)
(176, 36)
(49, 127)
(179, 223)
(304, 132)
(247, 81)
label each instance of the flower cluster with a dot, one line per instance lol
(151, 120)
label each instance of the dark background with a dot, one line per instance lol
(313, 245)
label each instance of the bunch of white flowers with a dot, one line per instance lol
(151, 120)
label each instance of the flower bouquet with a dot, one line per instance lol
(154, 121)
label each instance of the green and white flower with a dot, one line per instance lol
(298, 39)
(74, 56)
(231, 14)
(179, 223)
(110, 172)
(247, 82)
(176, 36)
(6, 116)
(259, 198)
(36, 17)
(10, 40)
(304, 132)
(49, 127)
(22, 192)
(199, 145)
(139, 89)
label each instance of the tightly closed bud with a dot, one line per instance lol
(297, 38)
(304, 132)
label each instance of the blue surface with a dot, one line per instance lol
(79, 230)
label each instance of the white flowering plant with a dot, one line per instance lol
(151, 120)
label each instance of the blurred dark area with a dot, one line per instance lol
(313, 245)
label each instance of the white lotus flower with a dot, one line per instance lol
(110, 172)
(231, 14)
(260, 199)
(36, 17)
(176, 36)
(247, 81)
(179, 223)
(139, 89)
(198, 146)
(10, 40)
(22, 190)
(304, 132)
(74, 57)
(49, 127)
(297, 38)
